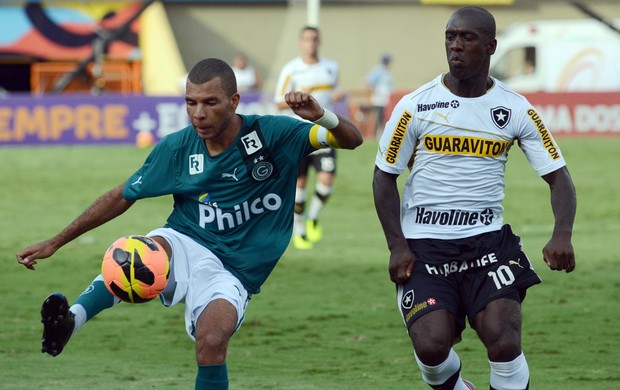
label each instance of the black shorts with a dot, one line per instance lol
(323, 160)
(462, 276)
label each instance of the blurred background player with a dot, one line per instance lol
(380, 85)
(318, 76)
(248, 78)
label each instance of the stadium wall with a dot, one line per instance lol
(354, 34)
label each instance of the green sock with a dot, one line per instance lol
(212, 377)
(96, 298)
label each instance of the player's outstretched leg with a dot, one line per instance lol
(58, 323)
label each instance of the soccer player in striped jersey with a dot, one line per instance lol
(232, 178)
(451, 255)
(318, 76)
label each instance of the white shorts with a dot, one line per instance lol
(198, 277)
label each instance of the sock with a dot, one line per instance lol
(212, 377)
(446, 375)
(91, 302)
(299, 226)
(514, 375)
(318, 200)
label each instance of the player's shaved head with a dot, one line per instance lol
(210, 68)
(477, 17)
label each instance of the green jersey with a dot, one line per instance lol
(239, 204)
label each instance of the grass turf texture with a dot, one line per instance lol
(327, 318)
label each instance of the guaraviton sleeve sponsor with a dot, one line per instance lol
(544, 134)
(397, 138)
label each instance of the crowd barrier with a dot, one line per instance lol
(125, 119)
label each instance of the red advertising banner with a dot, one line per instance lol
(570, 114)
(577, 114)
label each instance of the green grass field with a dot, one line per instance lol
(327, 318)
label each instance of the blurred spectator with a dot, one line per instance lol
(380, 85)
(247, 76)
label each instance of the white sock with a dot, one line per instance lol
(439, 374)
(316, 204)
(300, 195)
(299, 225)
(513, 375)
(80, 316)
(299, 221)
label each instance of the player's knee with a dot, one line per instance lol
(299, 208)
(323, 191)
(431, 349)
(502, 343)
(432, 336)
(211, 349)
(504, 349)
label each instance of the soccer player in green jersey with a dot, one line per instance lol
(232, 178)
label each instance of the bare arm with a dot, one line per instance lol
(306, 107)
(559, 253)
(109, 206)
(387, 205)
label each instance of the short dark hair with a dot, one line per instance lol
(210, 68)
(309, 28)
(483, 18)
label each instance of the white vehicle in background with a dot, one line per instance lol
(581, 55)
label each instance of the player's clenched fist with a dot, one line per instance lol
(304, 105)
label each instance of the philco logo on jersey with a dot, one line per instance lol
(544, 134)
(453, 217)
(206, 199)
(196, 164)
(239, 214)
(251, 143)
(397, 138)
(465, 145)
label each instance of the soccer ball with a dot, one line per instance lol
(135, 269)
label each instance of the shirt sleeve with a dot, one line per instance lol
(397, 143)
(538, 145)
(156, 177)
(284, 84)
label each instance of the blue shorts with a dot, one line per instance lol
(462, 276)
